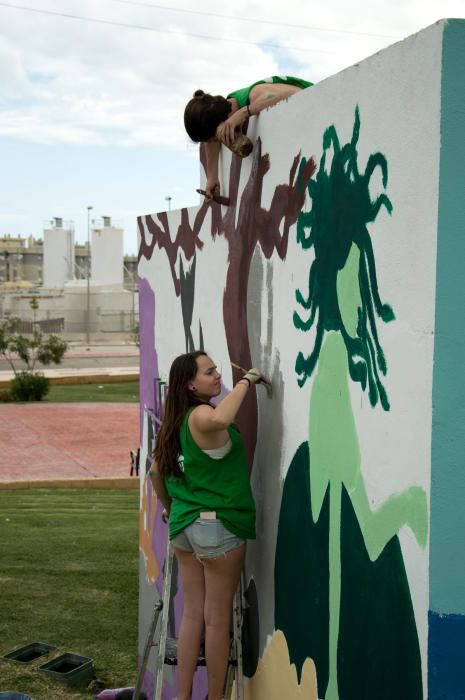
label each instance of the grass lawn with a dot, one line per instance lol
(119, 392)
(69, 577)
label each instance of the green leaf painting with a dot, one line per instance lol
(341, 210)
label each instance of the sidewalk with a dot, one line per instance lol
(83, 375)
(101, 359)
(41, 442)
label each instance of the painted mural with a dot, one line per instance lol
(342, 300)
(321, 271)
(244, 225)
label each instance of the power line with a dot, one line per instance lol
(160, 31)
(254, 20)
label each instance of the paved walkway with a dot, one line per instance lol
(67, 441)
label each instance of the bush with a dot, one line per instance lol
(5, 396)
(28, 386)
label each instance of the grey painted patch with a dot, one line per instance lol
(267, 488)
(269, 323)
(148, 598)
(254, 306)
(265, 477)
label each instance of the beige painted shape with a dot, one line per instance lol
(276, 677)
(146, 531)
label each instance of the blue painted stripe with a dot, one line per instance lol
(446, 659)
(447, 553)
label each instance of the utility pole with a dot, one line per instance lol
(88, 277)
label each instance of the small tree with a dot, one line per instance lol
(30, 350)
(34, 304)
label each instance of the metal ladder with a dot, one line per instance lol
(167, 648)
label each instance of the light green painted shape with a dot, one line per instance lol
(336, 459)
(348, 291)
(334, 448)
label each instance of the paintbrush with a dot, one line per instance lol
(219, 199)
(263, 380)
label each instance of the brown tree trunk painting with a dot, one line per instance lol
(255, 225)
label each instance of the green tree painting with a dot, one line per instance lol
(361, 629)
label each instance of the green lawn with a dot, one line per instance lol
(69, 577)
(119, 392)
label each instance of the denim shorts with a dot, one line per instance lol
(206, 539)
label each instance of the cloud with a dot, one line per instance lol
(72, 82)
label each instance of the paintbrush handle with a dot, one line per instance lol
(262, 380)
(219, 199)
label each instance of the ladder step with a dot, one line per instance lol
(171, 654)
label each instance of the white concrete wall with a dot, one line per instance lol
(325, 440)
(110, 308)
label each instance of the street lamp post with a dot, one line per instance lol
(88, 277)
(168, 199)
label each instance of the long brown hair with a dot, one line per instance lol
(178, 400)
(204, 113)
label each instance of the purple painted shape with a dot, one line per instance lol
(148, 683)
(148, 401)
(169, 692)
(148, 353)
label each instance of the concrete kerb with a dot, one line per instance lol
(129, 483)
(84, 378)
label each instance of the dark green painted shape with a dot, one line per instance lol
(378, 653)
(301, 571)
(251, 631)
(341, 211)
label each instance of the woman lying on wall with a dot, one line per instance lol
(200, 475)
(215, 119)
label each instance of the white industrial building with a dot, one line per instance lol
(96, 305)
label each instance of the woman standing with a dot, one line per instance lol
(215, 119)
(201, 477)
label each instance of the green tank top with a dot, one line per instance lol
(242, 95)
(208, 484)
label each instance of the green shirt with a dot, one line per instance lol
(242, 95)
(208, 484)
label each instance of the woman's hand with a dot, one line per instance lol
(212, 187)
(165, 516)
(226, 131)
(253, 375)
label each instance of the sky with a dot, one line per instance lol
(91, 110)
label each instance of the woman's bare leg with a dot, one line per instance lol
(222, 576)
(191, 631)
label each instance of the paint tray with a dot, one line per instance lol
(29, 653)
(69, 668)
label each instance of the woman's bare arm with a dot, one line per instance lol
(212, 151)
(261, 97)
(207, 419)
(158, 484)
(268, 94)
